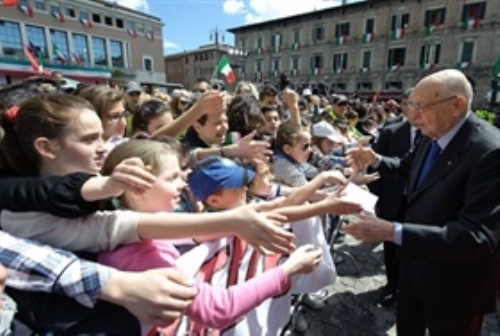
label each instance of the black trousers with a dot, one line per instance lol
(392, 251)
(44, 313)
(391, 261)
(413, 318)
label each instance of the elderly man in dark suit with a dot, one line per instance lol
(449, 240)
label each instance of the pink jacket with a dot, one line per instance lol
(215, 308)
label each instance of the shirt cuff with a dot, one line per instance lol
(398, 233)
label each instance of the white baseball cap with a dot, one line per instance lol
(324, 130)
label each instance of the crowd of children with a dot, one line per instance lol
(194, 182)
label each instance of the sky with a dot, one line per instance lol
(192, 23)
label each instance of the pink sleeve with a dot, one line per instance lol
(220, 307)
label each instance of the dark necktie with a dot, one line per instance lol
(430, 159)
(416, 137)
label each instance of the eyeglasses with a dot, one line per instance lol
(422, 107)
(118, 116)
(306, 146)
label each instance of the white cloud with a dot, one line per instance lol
(170, 45)
(140, 5)
(233, 6)
(262, 10)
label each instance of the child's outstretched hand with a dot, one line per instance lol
(336, 205)
(303, 260)
(130, 174)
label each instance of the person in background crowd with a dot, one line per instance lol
(201, 86)
(246, 88)
(181, 102)
(272, 119)
(150, 117)
(109, 105)
(395, 140)
(268, 95)
(449, 241)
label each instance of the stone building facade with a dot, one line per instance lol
(375, 47)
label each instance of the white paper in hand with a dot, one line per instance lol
(353, 193)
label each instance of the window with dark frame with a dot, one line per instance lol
(119, 23)
(69, 12)
(317, 62)
(400, 21)
(367, 59)
(96, 18)
(108, 20)
(393, 85)
(430, 54)
(474, 11)
(397, 57)
(147, 64)
(318, 34)
(339, 61)
(342, 29)
(467, 54)
(435, 17)
(370, 26)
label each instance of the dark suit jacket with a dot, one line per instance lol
(449, 254)
(393, 141)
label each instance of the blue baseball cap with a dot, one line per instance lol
(215, 173)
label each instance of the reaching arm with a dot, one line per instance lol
(57, 195)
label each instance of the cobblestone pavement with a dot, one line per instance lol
(351, 307)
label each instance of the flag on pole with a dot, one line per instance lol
(368, 37)
(397, 34)
(86, 23)
(429, 30)
(77, 59)
(471, 23)
(58, 54)
(132, 32)
(341, 40)
(27, 10)
(9, 3)
(295, 46)
(225, 68)
(58, 16)
(33, 52)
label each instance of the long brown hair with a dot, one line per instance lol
(45, 116)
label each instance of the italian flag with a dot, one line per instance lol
(132, 32)
(86, 23)
(429, 30)
(339, 70)
(397, 34)
(316, 71)
(470, 24)
(295, 46)
(58, 15)
(225, 68)
(341, 40)
(365, 69)
(58, 54)
(27, 10)
(259, 51)
(368, 37)
(276, 73)
(294, 72)
(394, 67)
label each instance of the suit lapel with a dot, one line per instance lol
(447, 161)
